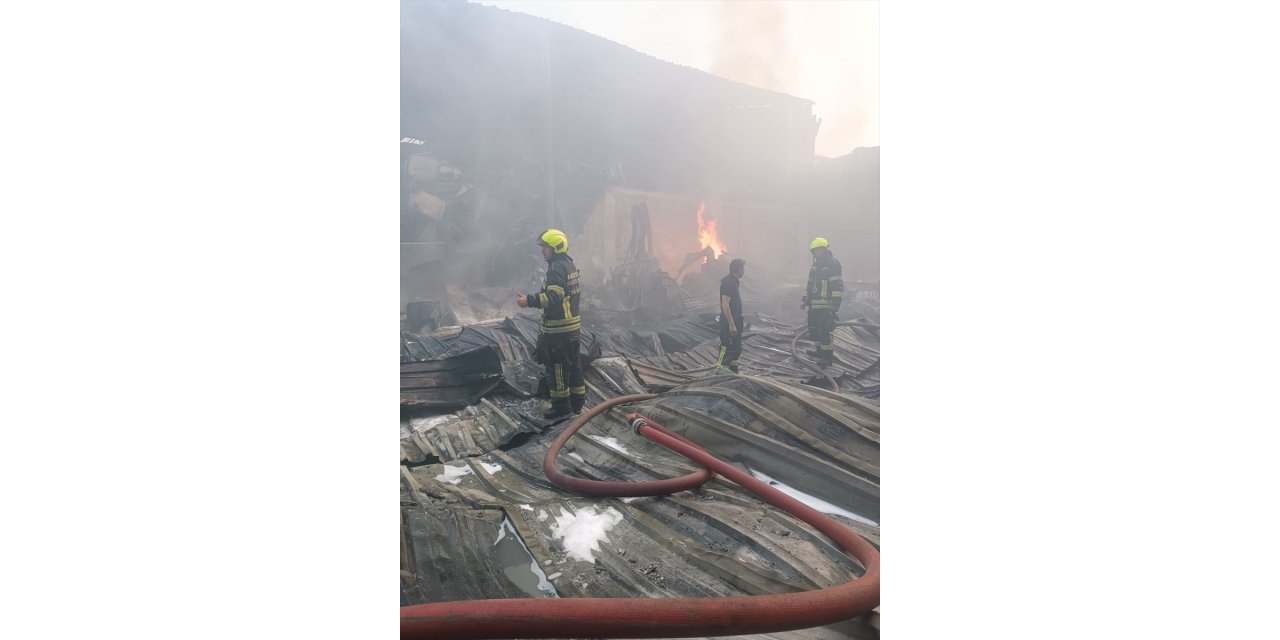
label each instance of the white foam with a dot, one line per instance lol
(453, 475)
(526, 507)
(577, 457)
(610, 442)
(490, 468)
(583, 531)
(554, 575)
(815, 503)
(422, 425)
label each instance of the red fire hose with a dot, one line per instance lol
(597, 488)
(659, 617)
(811, 366)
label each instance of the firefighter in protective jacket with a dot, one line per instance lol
(558, 344)
(822, 297)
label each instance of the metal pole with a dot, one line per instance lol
(550, 171)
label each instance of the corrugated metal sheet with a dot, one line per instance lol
(472, 479)
(766, 351)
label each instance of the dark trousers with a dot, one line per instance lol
(730, 347)
(564, 370)
(821, 323)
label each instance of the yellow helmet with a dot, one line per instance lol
(556, 239)
(819, 242)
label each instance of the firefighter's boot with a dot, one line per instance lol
(559, 409)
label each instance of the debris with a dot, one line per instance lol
(479, 181)
(435, 374)
(428, 205)
(421, 316)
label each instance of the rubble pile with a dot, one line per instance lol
(440, 203)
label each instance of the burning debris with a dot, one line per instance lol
(707, 233)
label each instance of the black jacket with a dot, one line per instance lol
(559, 297)
(826, 284)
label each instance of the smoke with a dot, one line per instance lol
(537, 119)
(843, 130)
(752, 45)
(826, 51)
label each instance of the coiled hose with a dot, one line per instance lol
(658, 617)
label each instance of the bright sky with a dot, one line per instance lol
(827, 51)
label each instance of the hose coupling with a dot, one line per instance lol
(638, 422)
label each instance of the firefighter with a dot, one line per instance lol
(822, 297)
(731, 316)
(558, 344)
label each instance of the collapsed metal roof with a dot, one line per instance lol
(480, 520)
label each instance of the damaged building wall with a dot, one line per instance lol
(463, 229)
(755, 232)
(484, 86)
(498, 256)
(520, 123)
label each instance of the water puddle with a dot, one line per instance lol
(813, 502)
(518, 564)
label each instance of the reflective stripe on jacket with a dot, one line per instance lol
(826, 284)
(559, 297)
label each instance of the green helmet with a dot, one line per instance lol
(819, 242)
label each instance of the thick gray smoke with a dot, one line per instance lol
(752, 45)
(527, 124)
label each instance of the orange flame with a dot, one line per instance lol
(707, 232)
